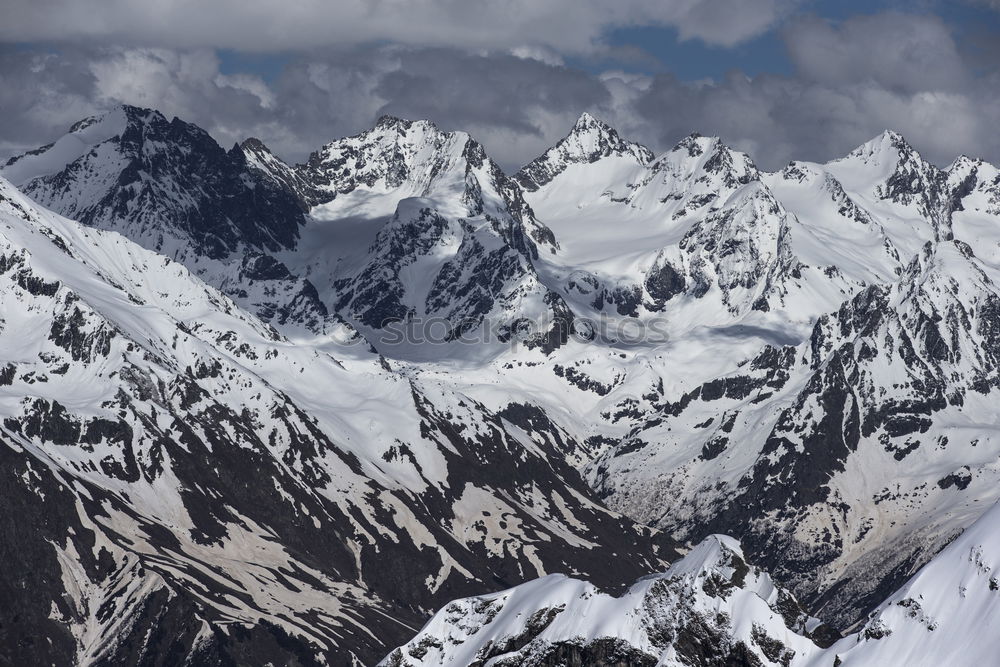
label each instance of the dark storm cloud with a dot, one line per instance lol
(513, 104)
(38, 93)
(852, 80)
(849, 80)
(502, 91)
(266, 25)
(894, 50)
(777, 119)
(43, 93)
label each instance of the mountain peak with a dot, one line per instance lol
(601, 139)
(201, 195)
(696, 144)
(587, 121)
(387, 120)
(964, 162)
(887, 145)
(696, 156)
(589, 141)
(390, 122)
(254, 144)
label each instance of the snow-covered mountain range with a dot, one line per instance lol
(677, 408)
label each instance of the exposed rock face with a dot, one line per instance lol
(168, 186)
(228, 215)
(459, 246)
(161, 183)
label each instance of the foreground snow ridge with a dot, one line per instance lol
(708, 605)
(712, 608)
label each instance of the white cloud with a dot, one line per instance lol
(539, 53)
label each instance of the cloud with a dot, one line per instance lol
(852, 80)
(899, 51)
(44, 93)
(729, 22)
(518, 101)
(514, 104)
(572, 26)
(989, 4)
(777, 119)
(40, 92)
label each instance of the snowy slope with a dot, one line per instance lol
(975, 206)
(693, 239)
(148, 400)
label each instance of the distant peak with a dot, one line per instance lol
(589, 124)
(254, 144)
(587, 121)
(141, 114)
(893, 138)
(129, 112)
(592, 137)
(132, 109)
(84, 123)
(963, 161)
(884, 141)
(390, 122)
(695, 144)
(589, 141)
(387, 120)
(394, 124)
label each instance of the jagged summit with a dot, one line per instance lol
(888, 146)
(588, 123)
(589, 141)
(697, 156)
(253, 144)
(386, 121)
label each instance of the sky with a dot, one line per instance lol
(780, 79)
